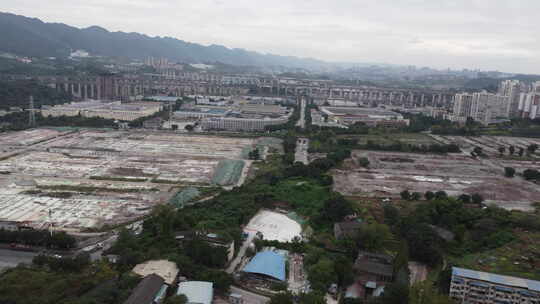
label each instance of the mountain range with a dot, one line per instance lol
(32, 37)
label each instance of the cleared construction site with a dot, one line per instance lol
(77, 180)
(389, 173)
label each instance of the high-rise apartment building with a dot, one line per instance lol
(512, 89)
(529, 105)
(483, 107)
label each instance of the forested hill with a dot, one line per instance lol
(32, 37)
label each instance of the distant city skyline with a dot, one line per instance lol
(472, 34)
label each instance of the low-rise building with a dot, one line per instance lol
(241, 124)
(266, 266)
(151, 290)
(477, 287)
(163, 268)
(197, 292)
(373, 271)
(368, 116)
(107, 110)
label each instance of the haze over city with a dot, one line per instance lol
(488, 35)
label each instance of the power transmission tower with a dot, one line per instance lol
(32, 114)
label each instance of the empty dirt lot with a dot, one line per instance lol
(390, 173)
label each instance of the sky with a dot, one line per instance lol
(499, 35)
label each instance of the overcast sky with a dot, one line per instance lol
(485, 34)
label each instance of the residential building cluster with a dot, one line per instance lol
(514, 99)
(483, 107)
(529, 103)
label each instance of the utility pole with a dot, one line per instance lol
(32, 114)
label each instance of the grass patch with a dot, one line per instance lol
(519, 258)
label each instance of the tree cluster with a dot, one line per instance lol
(41, 238)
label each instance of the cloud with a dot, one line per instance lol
(487, 34)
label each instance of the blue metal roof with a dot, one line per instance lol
(497, 279)
(267, 263)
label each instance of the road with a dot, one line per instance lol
(250, 297)
(302, 121)
(12, 258)
(96, 255)
(241, 253)
(301, 153)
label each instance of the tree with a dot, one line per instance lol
(429, 195)
(416, 196)
(531, 174)
(509, 172)
(322, 274)
(501, 150)
(478, 151)
(373, 236)
(511, 150)
(336, 208)
(254, 155)
(440, 195)
(344, 270)
(312, 298)
(177, 299)
(465, 198)
(477, 198)
(395, 293)
(391, 214)
(532, 148)
(363, 161)
(282, 298)
(405, 194)
(424, 293)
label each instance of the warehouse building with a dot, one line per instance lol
(369, 116)
(240, 124)
(470, 286)
(107, 110)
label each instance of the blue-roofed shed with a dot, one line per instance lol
(267, 263)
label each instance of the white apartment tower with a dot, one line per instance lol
(512, 89)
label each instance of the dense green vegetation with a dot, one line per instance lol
(326, 140)
(16, 94)
(19, 121)
(47, 283)
(42, 238)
